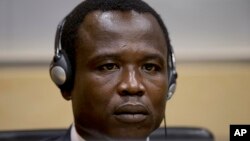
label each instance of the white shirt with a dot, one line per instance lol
(74, 136)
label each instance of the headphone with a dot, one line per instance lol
(61, 72)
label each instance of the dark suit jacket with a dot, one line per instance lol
(174, 134)
(64, 137)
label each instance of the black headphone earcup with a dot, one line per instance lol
(60, 71)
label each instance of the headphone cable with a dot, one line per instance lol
(165, 126)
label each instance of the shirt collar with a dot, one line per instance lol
(74, 136)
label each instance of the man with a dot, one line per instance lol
(113, 60)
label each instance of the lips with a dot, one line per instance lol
(131, 113)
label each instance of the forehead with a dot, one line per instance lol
(109, 27)
(118, 21)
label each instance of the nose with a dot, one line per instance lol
(131, 84)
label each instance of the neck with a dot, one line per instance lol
(92, 135)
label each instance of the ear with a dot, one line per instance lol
(66, 95)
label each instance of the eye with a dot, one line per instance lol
(151, 68)
(108, 67)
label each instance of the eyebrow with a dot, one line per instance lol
(117, 56)
(154, 57)
(104, 56)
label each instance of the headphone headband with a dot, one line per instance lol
(58, 45)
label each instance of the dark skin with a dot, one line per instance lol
(121, 76)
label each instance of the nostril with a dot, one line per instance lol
(140, 93)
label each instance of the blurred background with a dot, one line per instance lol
(211, 39)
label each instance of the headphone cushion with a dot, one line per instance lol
(60, 71)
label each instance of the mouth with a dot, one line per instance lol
(131, 113)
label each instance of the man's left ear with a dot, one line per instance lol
(66, 95)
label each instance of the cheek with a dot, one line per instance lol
(158, 101)
(92, 92)
(157, 93)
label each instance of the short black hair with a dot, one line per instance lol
(74, 19)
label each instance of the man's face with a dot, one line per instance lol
(121, 75)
